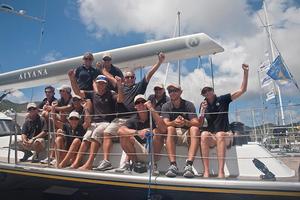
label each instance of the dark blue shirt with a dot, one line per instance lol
(85, 77)
(218, 121)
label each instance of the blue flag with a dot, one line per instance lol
(279, 72)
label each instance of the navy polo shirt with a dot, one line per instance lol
(85, 77)
(218, 122)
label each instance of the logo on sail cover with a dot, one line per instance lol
(33, 74)
(193, 42)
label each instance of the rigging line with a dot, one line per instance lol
(43, 25)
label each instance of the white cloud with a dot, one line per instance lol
(52, 56)
(232, 23)
(17, 97)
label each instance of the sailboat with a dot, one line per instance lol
(37, 181)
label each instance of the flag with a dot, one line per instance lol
(265, 81)
(279, 72)
(270, 95)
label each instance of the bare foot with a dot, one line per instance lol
(221, 175)
(206, 175)
(85, 167)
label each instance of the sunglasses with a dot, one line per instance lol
(173, 90)
(140, 102)
(31, 109)
(157, 89)
(73, 118)
(48, 91)
(106, 59)
(129, 77)
(88, 59)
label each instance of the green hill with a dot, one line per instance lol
(7, 105)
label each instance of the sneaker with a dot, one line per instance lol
(188, 172)
(27, 154)
(45, 161)
(172, 171)
(125, 168)
(104, 165)
(35, 158)
(53, 162)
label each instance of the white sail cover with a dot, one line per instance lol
(131, 57)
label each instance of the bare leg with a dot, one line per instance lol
(158, 143)
(93, 150)
(221, 148)
(171, 146)
(107, 145)
(83, 148)
(127, 143)
(206, 142)
(194, 144)
(59, 142)
(71, 153)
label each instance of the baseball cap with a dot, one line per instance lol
(65, 87)
(159, 85)
(74, 114)
(139, 96)
(174, 85)
(31, 105)
(101, 78)
(106, 56)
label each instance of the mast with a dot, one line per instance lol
(269, 32)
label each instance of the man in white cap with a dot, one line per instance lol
(159, 97)
(182, 128)
(86, 73)
(69, 138)
(133, 133)
(103, 105)
(34, 131)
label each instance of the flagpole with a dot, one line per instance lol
(268, 29)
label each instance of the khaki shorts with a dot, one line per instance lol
(95, 132)
(114, 126)
(141, 151)
(182, 136)
(21, 147)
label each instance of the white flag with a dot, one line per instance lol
(270, 95)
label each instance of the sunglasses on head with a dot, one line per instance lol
(140, 102)
(173, 90)
(73, 118)
(106, 59)
(129, 77)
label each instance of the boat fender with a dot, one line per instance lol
(268, 175)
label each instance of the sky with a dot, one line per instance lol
(74, 27)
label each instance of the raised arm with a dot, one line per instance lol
(158, 120)
(243, 88)
(120, 96)
(161, 58)
(74, 84)
(87, 114)
(110, 77)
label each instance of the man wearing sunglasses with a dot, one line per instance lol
(34, 131)
(218, 133)
(182, 128)
(109, 70)
(45, 105)
(133, 133)
(86, 73)
(159, 97)
(101, 131)
(69, 138)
